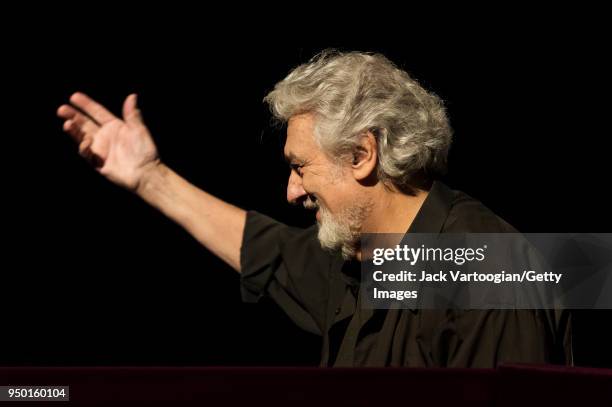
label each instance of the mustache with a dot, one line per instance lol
(311, 202)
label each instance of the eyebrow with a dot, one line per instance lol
(290, 158)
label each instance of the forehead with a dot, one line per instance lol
(300, 136)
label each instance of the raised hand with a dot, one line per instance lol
(121, 150)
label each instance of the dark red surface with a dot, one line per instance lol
(213, 386)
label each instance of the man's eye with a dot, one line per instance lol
(297, 168)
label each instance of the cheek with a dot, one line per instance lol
(333, 198)
(331, 189)
(311, 183)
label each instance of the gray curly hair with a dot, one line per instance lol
(352, 93)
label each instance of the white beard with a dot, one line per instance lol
(343, 232)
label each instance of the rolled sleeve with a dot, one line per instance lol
(288, 265)
(259, 255)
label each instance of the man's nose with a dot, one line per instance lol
(295, 190)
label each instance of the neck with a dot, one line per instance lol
(392, 212)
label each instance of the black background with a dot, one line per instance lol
(92, 275)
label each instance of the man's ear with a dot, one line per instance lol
(365, 157)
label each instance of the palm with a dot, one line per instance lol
(123, 151)
(119, 149)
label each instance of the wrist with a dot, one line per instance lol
(152, 176)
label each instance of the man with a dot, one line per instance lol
(366, 144)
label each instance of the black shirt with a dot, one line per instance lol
(320, 293)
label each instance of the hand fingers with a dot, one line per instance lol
(75, 131)
(95, 110)
(131, 113)
(85, 146)
(86, 152)
(85, 123)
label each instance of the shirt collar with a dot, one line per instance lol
(429, 219)
(434, 211)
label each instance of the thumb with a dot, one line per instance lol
(131, 113)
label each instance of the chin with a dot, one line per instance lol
(336, 237)
(342, 232)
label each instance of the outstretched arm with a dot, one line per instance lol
(122, 150)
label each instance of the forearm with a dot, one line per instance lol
(216, 224)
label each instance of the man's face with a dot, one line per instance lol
(319, 183)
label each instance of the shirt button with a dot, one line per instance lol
(337, 310)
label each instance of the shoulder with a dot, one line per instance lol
(469, 215)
